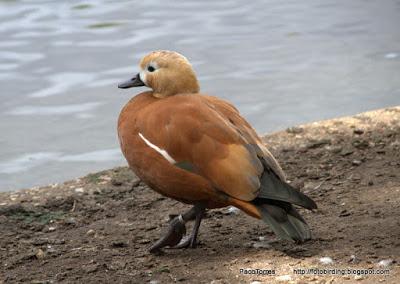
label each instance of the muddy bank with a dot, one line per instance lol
(97, 228)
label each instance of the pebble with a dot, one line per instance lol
(356, 162)
(385, 262)
(70, 221)
(79, 190)
(283, 278)
(354, 259)
(51, 229)
(310, 185)
(360, 144)
(294, 130)
(346, 151)
(255, 282)
(217, 281)
(119, 243)
(358, 277)
(90, 233)
(261, 245)
(39, 254)
(116, 182)
(318, 143)
(326, 260)
(344, 213)
(335, 149)
(358, 131)
(233, 210)
(91, 268)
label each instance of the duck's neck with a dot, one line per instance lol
(186, 88)
(185, 84)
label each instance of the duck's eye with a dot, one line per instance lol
(151, 69)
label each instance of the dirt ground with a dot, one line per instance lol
(98, 228)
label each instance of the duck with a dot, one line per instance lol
(198, 149)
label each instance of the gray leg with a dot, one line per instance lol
(191, 241)
(175, 231)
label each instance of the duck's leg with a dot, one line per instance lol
(175, 231)
(191, 240)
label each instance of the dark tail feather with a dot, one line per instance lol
(272, 187)
(284, 220)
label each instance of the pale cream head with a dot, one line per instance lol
(168, 73)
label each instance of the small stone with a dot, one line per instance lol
(233, 210)
(116, 265)
(335, 149)
(70, 221)
(385, 262)
(217, 281)
(318, 143)
(119, 243)
(294, 130)
(326, 260)
(105, 178)
(356, 177)
(356, 162)
(79, 190)
(261, 245)
(346, 151)
(143, 241)
(353, 259)
(358, 277)
(39, 254)
(90, 233)
(51, 229)
(91, 268)
(358, 131)
(360, 144)
(344, 213)
(116, 182)
(283, 278)
(255, 282)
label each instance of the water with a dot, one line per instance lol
(280, 62)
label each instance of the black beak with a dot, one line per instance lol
(134, 82)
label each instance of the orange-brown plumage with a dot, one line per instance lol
(193, 147)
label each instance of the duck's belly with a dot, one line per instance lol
(172, 181)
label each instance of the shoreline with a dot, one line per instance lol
(98, 227)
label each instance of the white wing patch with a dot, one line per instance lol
(158, 149)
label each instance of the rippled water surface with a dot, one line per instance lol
(280, 62)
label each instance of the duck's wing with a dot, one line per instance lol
(209, 137)
(199, 138)
(273, 183)
(247, 131)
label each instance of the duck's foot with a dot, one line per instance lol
(177, 229)
(173, 236)
(191, 241)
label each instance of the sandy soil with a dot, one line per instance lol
(98, 228)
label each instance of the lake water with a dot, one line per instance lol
(281, 63)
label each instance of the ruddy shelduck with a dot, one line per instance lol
(199, 150)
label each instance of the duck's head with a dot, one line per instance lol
(166, 72)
